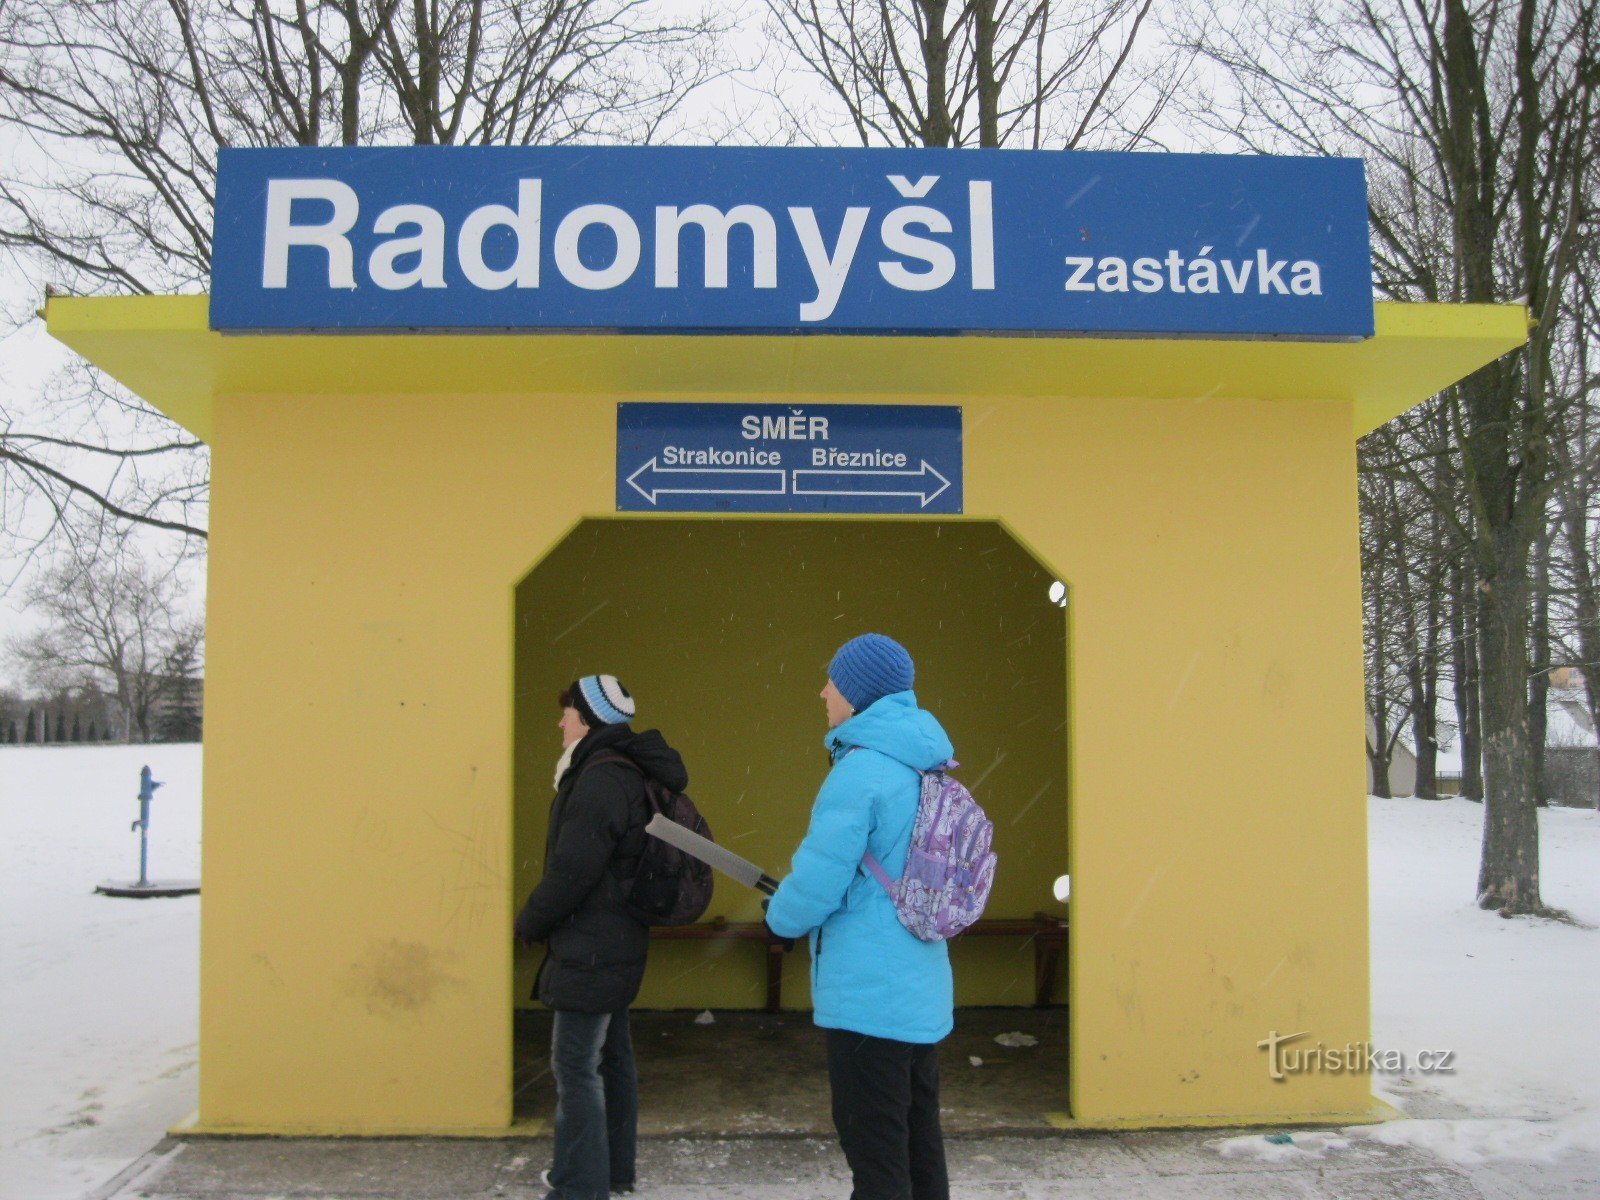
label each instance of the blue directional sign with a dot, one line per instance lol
(788, 458)
(728, 239)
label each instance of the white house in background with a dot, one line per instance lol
(1402, 764)
(1571, 755)
(1571, 750)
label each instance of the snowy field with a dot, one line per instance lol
(99, 997)
(97, 1045)
(1516, 1000)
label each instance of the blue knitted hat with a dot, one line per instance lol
(601, 700)
(870, 667)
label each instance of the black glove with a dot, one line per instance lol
(788, 943)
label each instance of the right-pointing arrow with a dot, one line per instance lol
(925, 483)
(651, 481)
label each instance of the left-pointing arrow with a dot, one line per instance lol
(651, 481)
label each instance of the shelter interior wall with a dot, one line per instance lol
(723, 630)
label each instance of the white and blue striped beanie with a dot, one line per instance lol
(601, 700)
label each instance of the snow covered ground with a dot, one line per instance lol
(98, 996)
(1516, 1000)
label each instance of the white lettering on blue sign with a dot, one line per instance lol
(749, 240)
(686, 456)
(792, 427)
(856, 458)
(830, 268)
(1168, 272)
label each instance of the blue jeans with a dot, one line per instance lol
(597, 1105)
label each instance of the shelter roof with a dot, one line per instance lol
(162, 348)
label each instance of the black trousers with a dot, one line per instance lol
(886, 1109)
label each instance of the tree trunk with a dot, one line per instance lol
(1464, 664)
(1425, 726)
(937, 129)
(1539, 667)
(362, 44)
(426, 107)
(1425, 716)
(988, 84)
(1380, 746)
(1378, 761)
(1508, 875)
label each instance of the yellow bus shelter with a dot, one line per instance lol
(415, 546)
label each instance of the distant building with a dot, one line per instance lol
(1571, 751)
(1571, 754)
(1402, 765)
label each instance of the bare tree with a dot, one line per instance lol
(1464, 674)
(976, 72)
(1421, 571)
(1488, 113)
(1389, 624)
(520, 72)
(90, 444)
(1575, 588)
(117, 109)
(114, 622)
(1419, 463)
(128, 102)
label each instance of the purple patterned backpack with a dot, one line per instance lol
(949, 868)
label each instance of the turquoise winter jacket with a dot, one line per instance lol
(868, 973)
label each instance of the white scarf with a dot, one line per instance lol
(564, 762)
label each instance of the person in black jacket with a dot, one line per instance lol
(595, 954)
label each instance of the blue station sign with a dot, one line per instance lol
(721, 239)
(788, 458)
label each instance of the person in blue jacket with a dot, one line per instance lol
(884, 997)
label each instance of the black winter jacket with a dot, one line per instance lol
(595, 958)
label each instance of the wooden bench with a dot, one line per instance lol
(719, 928)
(1048, 933)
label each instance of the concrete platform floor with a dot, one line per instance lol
(754, 1074)
(747, 1129)
(1112, 1166)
